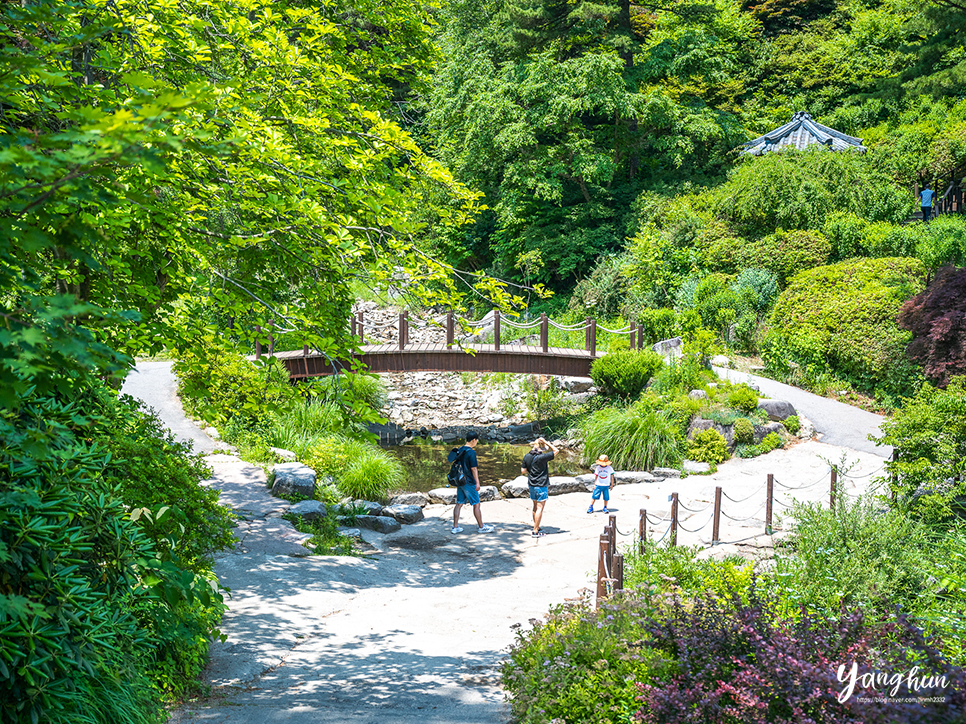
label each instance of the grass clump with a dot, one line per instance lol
(708, 446)
(633, 438)
(743, 398)
(361, 470)
(326, 539)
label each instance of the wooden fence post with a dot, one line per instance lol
(674, 519)
(834, 480)
(618, 572)
(496, 329)
(406, 326)
(593, 337)
(450, 329)
(544, 333)
(633, 335)
(768, 503)
(640, 336)
(402, 331)
(716, 528)
(641, 532)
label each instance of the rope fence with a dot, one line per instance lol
(610, 565)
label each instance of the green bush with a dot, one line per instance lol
(625, 374)
(350, 388)
(786, 253)
(758, 286)
(677, 569)
(361, 469)
(792, 424)
(681, 409)
(633, 438)
(743, 398)
(708, 446)
(744, 431)
(843, 317)
(680, 377)
(771, 441)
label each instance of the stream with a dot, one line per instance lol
(426, 466)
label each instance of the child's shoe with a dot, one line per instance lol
(605, 510)
(590, 509)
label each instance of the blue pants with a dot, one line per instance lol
(600, 490)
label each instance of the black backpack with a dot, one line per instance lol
(457, 473)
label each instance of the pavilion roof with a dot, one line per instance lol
(801, 132)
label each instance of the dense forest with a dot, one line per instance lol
(176, 173)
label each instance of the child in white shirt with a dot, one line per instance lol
(603, 482)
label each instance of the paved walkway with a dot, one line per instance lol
(414, 633)
(838, 423)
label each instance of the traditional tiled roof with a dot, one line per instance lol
(800, 132)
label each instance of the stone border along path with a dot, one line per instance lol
(414, 632)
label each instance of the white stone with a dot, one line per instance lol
(720, 360)
(695, 467)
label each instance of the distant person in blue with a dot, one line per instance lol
(469, 494)
(536, 466)
(925, 202)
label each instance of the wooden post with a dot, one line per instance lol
(402, 331)
(716, 528)
(602, 572)
(450, 329)
(544, 333)
(405, 328)
(768, 503)
(618, 572)
(496, 329)
(640, 336)
(633, 335)
(831, 493)
(258, 341)
(641, 532)
(362, 330)
(593, 338)
(674, 519)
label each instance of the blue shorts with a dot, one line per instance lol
(467, 495)
(601, 490)
(538, 494)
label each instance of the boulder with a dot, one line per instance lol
(720, 360)
(668, 347)
(378, 523)
(404, 513)
(309, 510)
(516, 488)
(666, 473)
(698, 395)
(623, 477)
(293, 480)
(806, 431)
(287, 455)
(420, 499)
(762, 430)
(349, 532)
(560, 485)
(368, 506)
(576, 384)
(777, 410)
(447, 496)
(694, 467)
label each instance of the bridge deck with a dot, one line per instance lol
(517, 359)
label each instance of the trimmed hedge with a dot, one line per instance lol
(625, 374)
(844, 316)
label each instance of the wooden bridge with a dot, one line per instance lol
(451, 356)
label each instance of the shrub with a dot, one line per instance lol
(936, 318)
(929, 437)
(759, 286)
(361, 469)
(843, 317)
(744, 431)
(681, 409)
(632, 438)
(771, 441)
(942, 242)
(786, 253)
(625, 374)
(708, 446)
(679, 377)
(677, 569)
(792, 424)
(743, 398)
(604, 292)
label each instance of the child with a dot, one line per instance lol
(603, 482)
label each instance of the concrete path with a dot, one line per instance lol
(155, 384)
(838, 423)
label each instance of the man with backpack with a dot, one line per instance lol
(466, 477)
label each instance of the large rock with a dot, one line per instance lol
(420, 499)
(368, 506)
(309, 510)
(516, 488)
(293, 480)
(404, 513)
(669, 347)
(287, 455)
(447, 496)
(666, 473)
(720, 360)
(623, 477)
(559, 485)
(777, 410)
(576, 384)
(762, 430)
(698, 395)
(693, 467)
(378, 523)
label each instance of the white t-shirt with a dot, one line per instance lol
(604, 473)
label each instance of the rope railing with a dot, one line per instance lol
(743, 520)
(706, 524)
(623, 330)
(699, 510)
(801, 487)
(862, 477)
(742, 500)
